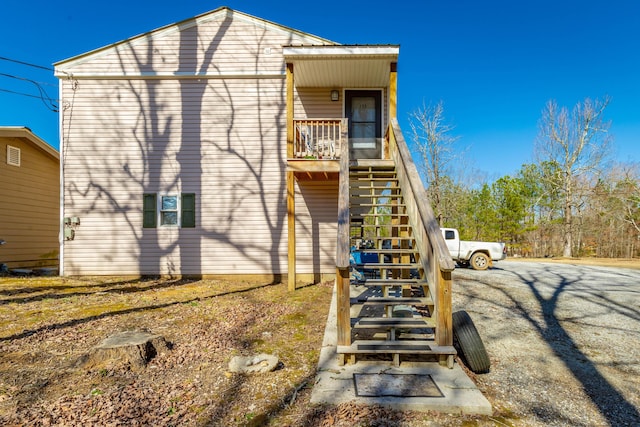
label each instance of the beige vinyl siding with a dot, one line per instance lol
(30, 205)
(223, 139)
(229, 150)
(316, 103)
(316, 226)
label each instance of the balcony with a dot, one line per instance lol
(317, 144)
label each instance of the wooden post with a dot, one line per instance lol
(393, 105)
(343, 284)
(393, 90)
(290, 130)
(444, 324)
(291, 222)
(344, 307)
(291, 188)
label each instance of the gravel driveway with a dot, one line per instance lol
(564, 341)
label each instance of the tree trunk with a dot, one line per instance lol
(131, 348)
(568, 219)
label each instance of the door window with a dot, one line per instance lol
(363, 108)
(363, 116)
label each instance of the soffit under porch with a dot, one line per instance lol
(341, 66)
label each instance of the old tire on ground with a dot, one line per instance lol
(480, 261)
(469, 344)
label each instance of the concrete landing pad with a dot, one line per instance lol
(396, 385)
(434, 387)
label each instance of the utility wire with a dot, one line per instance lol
(36, 81)
(26, 63)
(46, 99)
(20, 93)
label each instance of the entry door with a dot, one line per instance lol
(364, 111)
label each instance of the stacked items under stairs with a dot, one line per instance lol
(391, 306)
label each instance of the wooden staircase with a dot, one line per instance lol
(391, 306)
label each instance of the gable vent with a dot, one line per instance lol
(13, 156)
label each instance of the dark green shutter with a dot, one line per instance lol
(149, 216)
(188, 210)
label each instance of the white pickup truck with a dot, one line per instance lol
(480, 255)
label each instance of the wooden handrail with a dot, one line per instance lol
(426, 215)
(436, 260)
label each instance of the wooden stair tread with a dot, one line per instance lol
(389, 251)
(375, 187)
(372, 170)
(361, 179)
(381, 238)
(393, 282)
(368, 215)
(357, 222)
(375, 195)
(394, 322)
(396, 301)
(387, 265)
(379, 205)
(404, 347)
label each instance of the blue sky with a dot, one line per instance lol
(494, 64)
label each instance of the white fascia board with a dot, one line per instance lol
(337, 51)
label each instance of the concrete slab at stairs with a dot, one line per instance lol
(336, 384)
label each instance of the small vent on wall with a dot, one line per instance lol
(13, 156)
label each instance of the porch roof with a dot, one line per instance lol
(341, 65)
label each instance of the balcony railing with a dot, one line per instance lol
(319, 139)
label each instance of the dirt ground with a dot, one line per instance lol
(48, 324)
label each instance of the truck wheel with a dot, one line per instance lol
(469, 344)
(480, 261)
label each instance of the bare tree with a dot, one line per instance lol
(630, 196)
(576, 143)
(432, 138)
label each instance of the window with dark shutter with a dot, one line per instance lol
(188, 210)
(149, 216)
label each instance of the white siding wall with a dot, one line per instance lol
(315, 103)
(316, 226)
(223, 139)
(226, 144)
(219, 44)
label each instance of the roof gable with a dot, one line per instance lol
(184, 47)
(25, 135)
